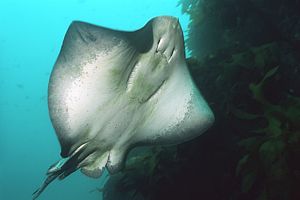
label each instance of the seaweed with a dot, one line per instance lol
(255, 90)
(268, 155)
(141, 177)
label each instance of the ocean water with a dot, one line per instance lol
(31, 34)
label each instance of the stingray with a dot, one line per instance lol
(111, 90)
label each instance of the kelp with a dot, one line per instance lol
(267, 160)
(256, 87)
(262, 110)
(144, 171)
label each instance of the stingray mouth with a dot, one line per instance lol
(145, 81)
(148, 75)
(156, 91)
(132, 75)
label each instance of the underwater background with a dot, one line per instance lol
(243, 55)
(31, 36)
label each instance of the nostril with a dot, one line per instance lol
(173, 51)
(158, 45)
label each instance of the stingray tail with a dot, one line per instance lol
(61, 170)
(48, 180)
